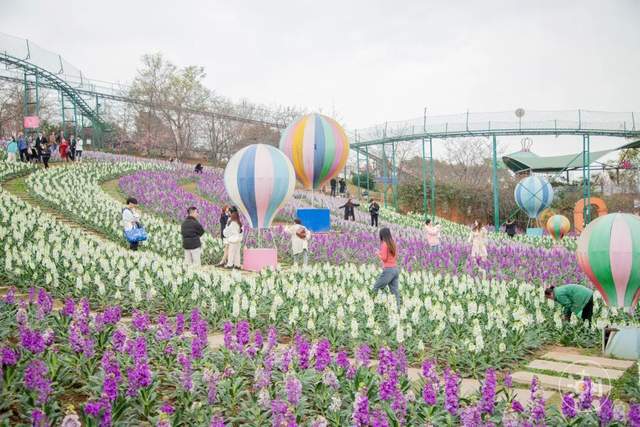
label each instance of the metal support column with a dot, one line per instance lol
(358, 172)
(394, 176)
(433, 180)
(586, 178)
(384, 173)
(366, 148)
(424, 182)
(494, 179)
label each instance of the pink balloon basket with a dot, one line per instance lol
(257, 259)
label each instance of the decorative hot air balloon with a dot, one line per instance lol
(317, 147)
(609, 254)
(558, 226)
(533, 194)
(259, 179)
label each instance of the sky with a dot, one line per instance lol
(366, 62)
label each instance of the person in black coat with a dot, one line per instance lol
(510, 227)
(343, 185)
(349, 210)
(374, 211)
(334, 184)
(198, 168)
(224, 219)
(191, 232)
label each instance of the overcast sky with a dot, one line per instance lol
(368, 61)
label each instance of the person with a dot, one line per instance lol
(198, 168)
(72, 148)
(300, 236)
(349, 211)
(191, 232)
(32, 152)
(333, 184)
(510, 227)
(343, 186)
(233, 237)
(63, 149)
(576, 299)
(433, 234)
(374, 211)
(131, 218)
(12, 150)
(390, 274)
(79, 148)
(22, 147)
(40, 141)
(224, 218)
(45, 153)
(478, 239)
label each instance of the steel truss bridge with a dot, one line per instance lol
(81, 99)
(425, 129)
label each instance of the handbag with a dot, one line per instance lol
(136, 234)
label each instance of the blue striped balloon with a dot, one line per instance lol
(533, 195)
(259, 180)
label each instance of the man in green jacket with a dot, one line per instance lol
(575, 299)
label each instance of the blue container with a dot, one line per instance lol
(315, 219)
(537, 232)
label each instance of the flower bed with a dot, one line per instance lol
(73, 366)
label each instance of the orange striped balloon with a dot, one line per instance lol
(558, 226)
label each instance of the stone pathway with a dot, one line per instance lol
(563, 371)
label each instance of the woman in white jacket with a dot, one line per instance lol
(300, 237)
(130, 219)
(233, 237)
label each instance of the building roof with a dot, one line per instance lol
(526, 160)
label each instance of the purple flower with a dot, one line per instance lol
(32, 340)
(451, 392)
(399, 406)
(69, 307)
(36, 379)
(363, 354)
(228, 336)
(164, 331)
(634, 415)
(401, 360)
(258, 340)
(431, 385)
(586, 397)
(568, 405)
(45, 302)
(8, 356)
(360, 415)
(166, 408)
(38, 418)
(140, 321)
(342, 360)
(10, 297)
(272, 338)
(179, 324)
(351, 372)
(112, 315)
(217, 421)
(303, 349)
(323, 355)
(242, 333)
(471, 417)
(388, 385)
(139, 377)
(294, 389)
(605, 411)
(185, 362)
(118, 340)
(93, 408)
(379, 419)
(508, 380)
(517, 407)
(488, 400)
(330, 380)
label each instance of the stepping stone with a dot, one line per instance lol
(559, 384)
(604, 362)
(572, 368)
(469, 387)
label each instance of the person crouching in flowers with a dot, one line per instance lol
(233, 237)
(478, 240)
(390, 274)
(130, 219)
(576, 299)
(300, 237)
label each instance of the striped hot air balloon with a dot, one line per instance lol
(259, 179)
(317, 147)
(558, 226)
(533, 195)
(609, 254)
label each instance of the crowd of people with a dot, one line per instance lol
(39, 148)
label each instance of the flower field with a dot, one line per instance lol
(128, 340)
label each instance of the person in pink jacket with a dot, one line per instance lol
(390, 274)
(433, 235)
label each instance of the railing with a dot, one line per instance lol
(506, 121)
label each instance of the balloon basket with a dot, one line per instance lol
(535, 231)
(317, 220)
(257, 259)
(623, 342)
